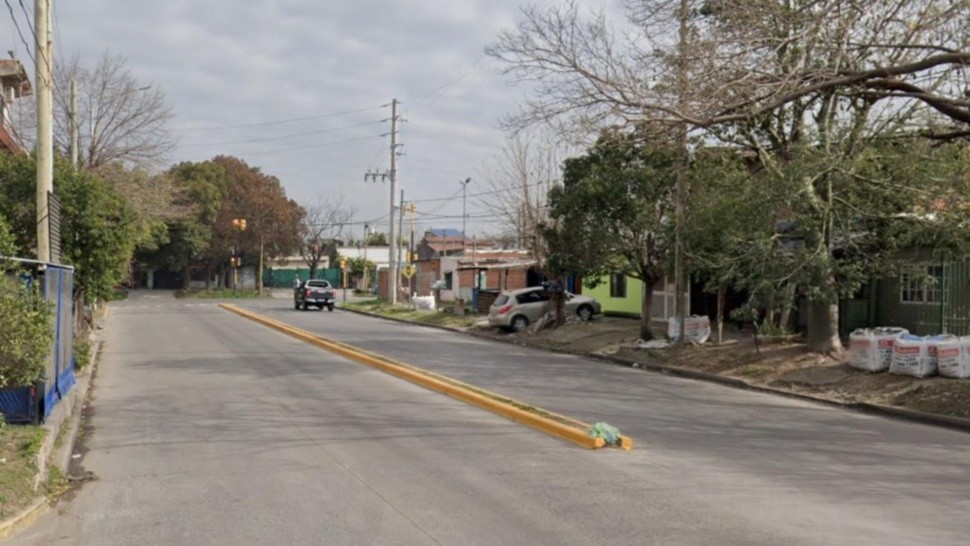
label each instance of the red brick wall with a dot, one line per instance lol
(428, 272)
(382, 281)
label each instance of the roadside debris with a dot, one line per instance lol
(606, 431)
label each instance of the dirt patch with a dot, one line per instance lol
(784, 365)
(944, 396)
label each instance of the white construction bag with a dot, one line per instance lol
(953, 358)
(932, 345)
(911, 357)
(697, 329)
(872, 350)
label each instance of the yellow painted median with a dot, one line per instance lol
(548, 422)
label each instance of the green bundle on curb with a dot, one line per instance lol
(606, 431)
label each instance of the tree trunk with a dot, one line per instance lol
(208, 276)
(646, 303)
(185, 278)
(259, 269)
(559, 300)
(721, 293)
(786, 310)
(823, 327)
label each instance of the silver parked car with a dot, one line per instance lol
(516, 309)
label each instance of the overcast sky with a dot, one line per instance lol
(225, 63)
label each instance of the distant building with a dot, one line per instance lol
(14, 84)
(438, 243)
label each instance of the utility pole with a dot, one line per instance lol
(464, 215)
(45, 125)
(680, 274)
(74, 127)
(400, 232)
(411, 257)
(392, 175)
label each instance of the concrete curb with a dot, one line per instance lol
(555, 425)
(26, 518)
(955, 423)
(68, 410)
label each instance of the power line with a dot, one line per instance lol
(19, 32)
(59, 49)
(315, 145)
(492, 192)
(281, 137)
(277, 122)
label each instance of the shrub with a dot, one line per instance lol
(26, 334)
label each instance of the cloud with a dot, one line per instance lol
(225, 62)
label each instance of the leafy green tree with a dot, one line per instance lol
(97, 225)
(199, 191)
(357, 266)
(377, 238)
(616, 202)
(726, 209)
(8, 246)
(273, 221)
(18, 201)
(99, 232)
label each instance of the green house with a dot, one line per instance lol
(621, 295)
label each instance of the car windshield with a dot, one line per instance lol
(501, 300)
(318, 284)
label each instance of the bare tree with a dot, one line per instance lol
(120, 119)
(517, 183)
(744, 59)
(324, 222)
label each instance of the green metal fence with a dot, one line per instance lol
(283, 278)
(955, 307)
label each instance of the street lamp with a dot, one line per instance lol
(238, 225)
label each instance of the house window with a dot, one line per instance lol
(924, 287)
(448, 280)
(617, 285)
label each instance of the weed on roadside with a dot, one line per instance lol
(82, 353)
(19, 445)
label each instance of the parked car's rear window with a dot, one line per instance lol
(501, 300)
(534, 296)
(318, 284)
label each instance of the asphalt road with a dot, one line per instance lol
(211, 429)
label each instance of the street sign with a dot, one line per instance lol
(409, 271)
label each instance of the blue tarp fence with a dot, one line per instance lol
(33, 403)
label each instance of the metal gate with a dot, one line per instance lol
(955, 307)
